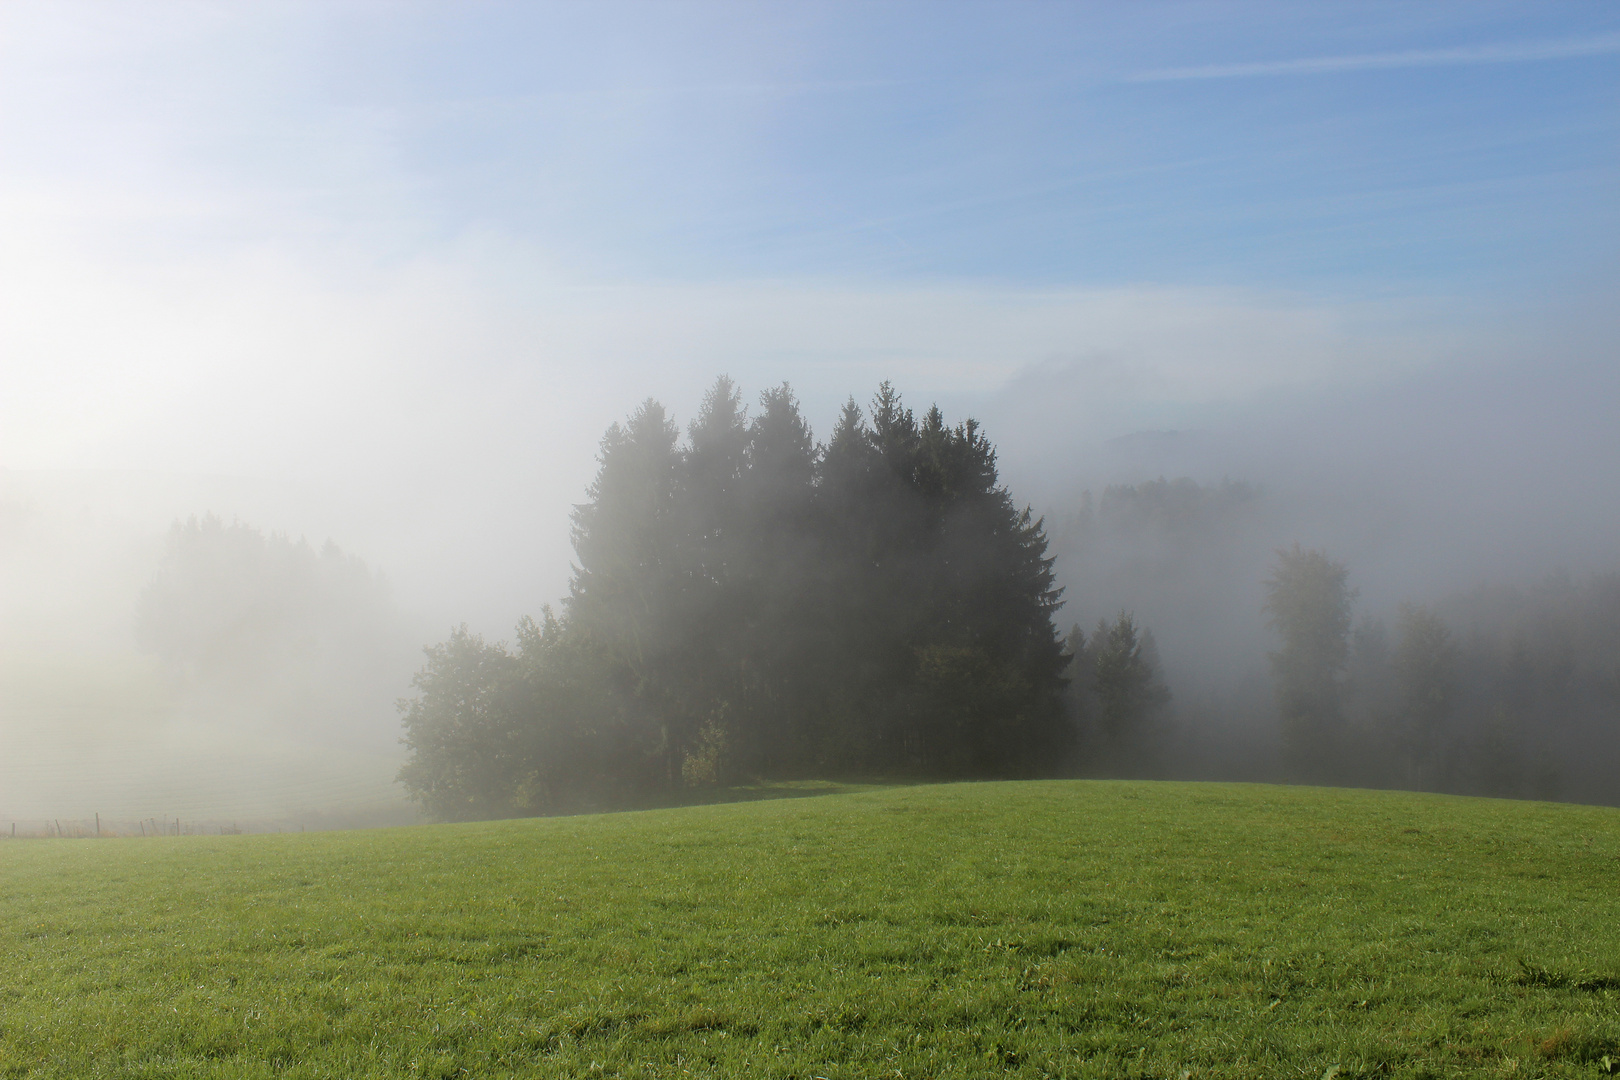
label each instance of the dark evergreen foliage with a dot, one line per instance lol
(750, 604)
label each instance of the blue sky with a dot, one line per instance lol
(1020, 143)
(372, 249)
(1451, 148)
(1356, 148)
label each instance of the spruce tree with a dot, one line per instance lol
(633, 591)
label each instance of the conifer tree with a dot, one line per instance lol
(1308, 602)
(632, 590)
(1126, 680)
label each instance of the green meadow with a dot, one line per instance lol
(1074, 928)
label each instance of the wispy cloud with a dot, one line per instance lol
(1518, 53)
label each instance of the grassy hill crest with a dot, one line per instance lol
(1063, 928)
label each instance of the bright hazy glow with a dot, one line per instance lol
(384, 275)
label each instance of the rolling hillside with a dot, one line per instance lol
(1029, 929)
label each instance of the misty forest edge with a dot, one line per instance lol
(750, 605)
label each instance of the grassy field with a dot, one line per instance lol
(1034, 929)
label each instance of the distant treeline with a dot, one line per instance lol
(265, 635)
(1504, 691)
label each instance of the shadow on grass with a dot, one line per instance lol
(1536, 975)
(760, 792)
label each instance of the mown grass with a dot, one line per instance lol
(1035, 929)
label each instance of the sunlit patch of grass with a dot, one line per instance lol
(1040, 929)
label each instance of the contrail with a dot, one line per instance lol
(1319, 65)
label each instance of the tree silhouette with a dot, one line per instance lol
(1308, 602)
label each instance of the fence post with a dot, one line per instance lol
(98, 822)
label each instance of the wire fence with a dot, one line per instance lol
(204, 805)
(74, 788)
(107, 828)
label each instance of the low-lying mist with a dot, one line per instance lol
(171, 647)
(209, 672)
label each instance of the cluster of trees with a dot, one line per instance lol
(1117, 698)
(1502, 692)
(749, 603)
(1508, 691)
(752, 604)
